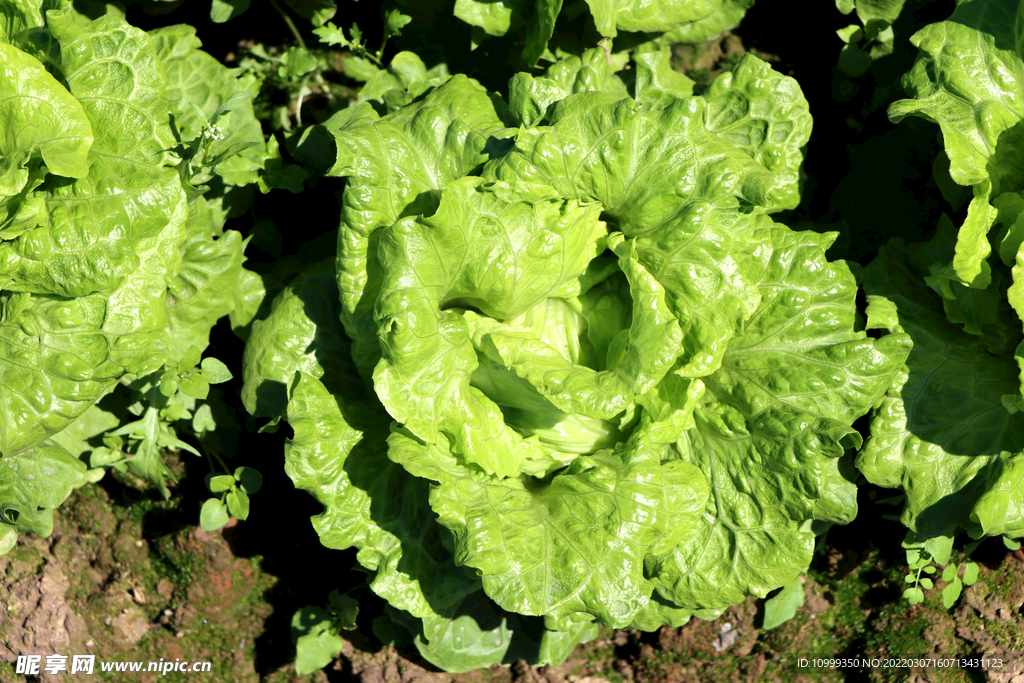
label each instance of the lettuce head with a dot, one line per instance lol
(565, 368)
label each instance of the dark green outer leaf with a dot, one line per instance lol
(943, 434)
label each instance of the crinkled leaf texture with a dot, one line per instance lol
(301, 333)
(65, 342)
(695, 20)
(943, 433)
(35, 482)
(772, 425)
(100, 281)
(968, 80)
(949, 431)
(372, 503)
(205, 289)
(396, 166)
(600, 384)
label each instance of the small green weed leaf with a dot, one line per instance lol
(238, 504)
(232, 151)
(910, 578)
(394, 22)
(203, 420)
(195, 386)
(271, 427)
(214, 371)
(174, 411)
(170, 440)
(189, 360)
(854, 61)
(213, 515)
(930, 569)
(315, 632)
(345, 609)
(223, 10)
(169, 387)
(1010, 543)
(197, 110)
(927, 584)
(914, 596)
(332, 35)
(278, 173)
(951, 593)
(145, 429)
(296, 62)
(223, 482)
(921, 563)
(359, 69)
(949, 572)
(249, 480)
(781, 608)
(105, 457)
(970, 574)
(850, 34)
(315, 651)
(310, 620)
(236, 100)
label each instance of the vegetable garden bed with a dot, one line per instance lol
(609, 345)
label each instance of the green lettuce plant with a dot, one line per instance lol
(566, 369)
(113, 258)
(950, 431)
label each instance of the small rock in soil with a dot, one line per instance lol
(726, 638)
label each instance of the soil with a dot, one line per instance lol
(125, 578)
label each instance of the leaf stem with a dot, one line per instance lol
(224, 465)
(289, 22)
